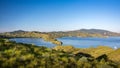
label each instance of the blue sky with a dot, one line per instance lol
(59, 15)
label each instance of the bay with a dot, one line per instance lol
(80, 42)
(77, 42)
(35, 41)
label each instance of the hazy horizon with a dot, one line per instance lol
(59, 15)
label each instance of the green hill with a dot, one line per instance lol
(21, 55)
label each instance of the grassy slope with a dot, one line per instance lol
(112, 54)
(30, 56)
(115, 55)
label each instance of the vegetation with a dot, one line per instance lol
(34, 34)
(21, 55)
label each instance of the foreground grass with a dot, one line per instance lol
(19, 55)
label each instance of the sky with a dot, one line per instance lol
(59, 15)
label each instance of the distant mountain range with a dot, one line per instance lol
(55, 34)
(93, 30)
(97, 31)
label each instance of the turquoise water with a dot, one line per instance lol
(77, 42)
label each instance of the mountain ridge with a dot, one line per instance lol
(57, 34)
(82, 30)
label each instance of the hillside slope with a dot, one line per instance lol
(21, 55)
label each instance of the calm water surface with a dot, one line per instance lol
(36, 41)
(77, 42)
